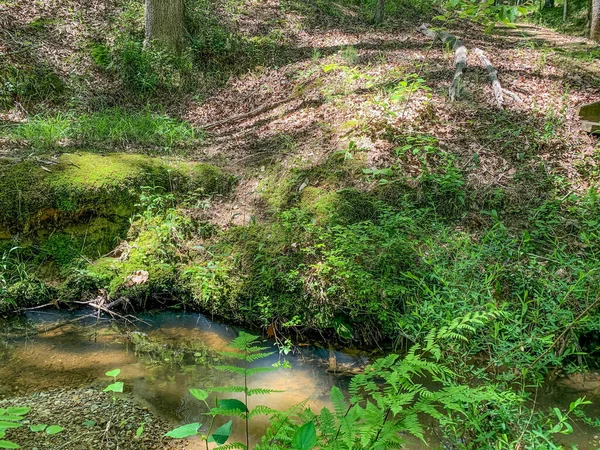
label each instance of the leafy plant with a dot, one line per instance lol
(13, 418)
(245, 349)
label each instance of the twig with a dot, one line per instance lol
(26, 49)
(70, 321)
(254, 112)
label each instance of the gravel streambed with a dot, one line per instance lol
(91, 421)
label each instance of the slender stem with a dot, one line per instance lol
(387, 414)
(246, 399)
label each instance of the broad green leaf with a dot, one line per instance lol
(89, 423)
(8, 444)
(17, 411)
(221, 434)
(113, 373)
(115, 387)
(6, 425)
(191, 429)
(54, 429)
(199, 394)
(139, 431)
(12, 418)
(36, 428)
(232, 404)
(305, 437)
(2, 434)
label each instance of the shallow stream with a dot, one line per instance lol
(173, 352)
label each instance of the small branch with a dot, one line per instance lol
(512, 95)
(58, 325)
(493, 76)
(254, 112)
(26, 49)
(460, 62)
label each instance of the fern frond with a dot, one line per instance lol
(339, 402)
(261, 410)
(261, 391)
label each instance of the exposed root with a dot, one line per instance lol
(460, 56)
(493, 76)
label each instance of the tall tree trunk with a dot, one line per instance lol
(549, 4)
(379, 10)
(595, 21)
(164, 24)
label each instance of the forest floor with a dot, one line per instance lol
(368, 207)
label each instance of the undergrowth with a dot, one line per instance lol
(106, 129)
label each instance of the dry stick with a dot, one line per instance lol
(68, 322)
(493, 76)
(460, 56)
(254, 112)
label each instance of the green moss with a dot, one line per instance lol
(87, 184)
(25, 293)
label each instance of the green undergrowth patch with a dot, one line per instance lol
(28, 84)
(576, 20)
(369, 270)
(107, 129)
(53, 215)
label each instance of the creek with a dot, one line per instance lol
(172, 352)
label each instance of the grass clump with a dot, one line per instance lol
(108, 129)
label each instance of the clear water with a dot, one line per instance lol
(171, 353)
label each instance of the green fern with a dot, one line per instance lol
(244, 348)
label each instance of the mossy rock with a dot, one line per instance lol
(83, 203)
(87, 185)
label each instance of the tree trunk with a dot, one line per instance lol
(549, 4)
(164, 24)
(595, 21)
(379, 9)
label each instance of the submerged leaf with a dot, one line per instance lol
(54, 429)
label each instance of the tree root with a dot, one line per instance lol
(460, 56)
(493, 76)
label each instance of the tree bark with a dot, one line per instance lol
(549, 4)
(164, 24)
(595, 21)
(379, 10)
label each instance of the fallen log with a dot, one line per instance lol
(460, 56)
(493, 76)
